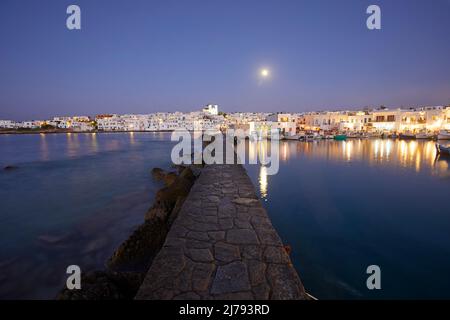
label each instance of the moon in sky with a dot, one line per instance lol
(265, 73)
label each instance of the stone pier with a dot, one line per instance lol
(222, 245)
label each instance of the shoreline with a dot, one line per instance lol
(21, 132)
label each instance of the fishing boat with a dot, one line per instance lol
(393, 136)
(292, 137)
(424, 136)
(443, 150)
(407, 135)
(340, 137)
(353, 135)
(444, 135)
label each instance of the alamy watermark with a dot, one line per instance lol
(374, 280)
(73, 21)
(373, 22)
(73, 282)
(215, 147)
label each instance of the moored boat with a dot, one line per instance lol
(340, 137)
(393, 136)
(407, 135)
(292, 137)
(444, 135)
(424, 136)
(353, 136)
(375, 135)
(443, 150)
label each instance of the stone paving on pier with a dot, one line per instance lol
(222, 246)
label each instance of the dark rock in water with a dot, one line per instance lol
(167, 197)
(158, 173)
(138, 251)
(169, 178)
(161, 211)
(105, 285)
(9, 168)
(288, 249)
(134, 256)
(161, 175)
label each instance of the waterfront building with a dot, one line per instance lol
(77, 123)
(410, 120)
(212, 109)
(8, 124)
(446, 119)
(360, 121)
(34, 124)
(110, 123)
(286, 123)
(322, 120)
(424, 119)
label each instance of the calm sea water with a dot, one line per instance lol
(343, 206)
(72, 200)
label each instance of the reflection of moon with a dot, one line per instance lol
(263, 182)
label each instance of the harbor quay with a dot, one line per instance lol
(222, 245)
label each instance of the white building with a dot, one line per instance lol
(8, 124)
(110, 123)
(286, 123)
(212, 109)
(34, 124)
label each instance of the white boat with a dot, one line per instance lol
(293, 137)
(374, 135)
(444, 135)
(424, 136)
(357, 135)
(353, 135)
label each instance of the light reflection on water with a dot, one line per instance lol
(408, 154)
(343, 205)
(263, 181)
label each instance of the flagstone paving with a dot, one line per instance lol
(222, 245)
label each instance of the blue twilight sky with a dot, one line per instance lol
(136, 56)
